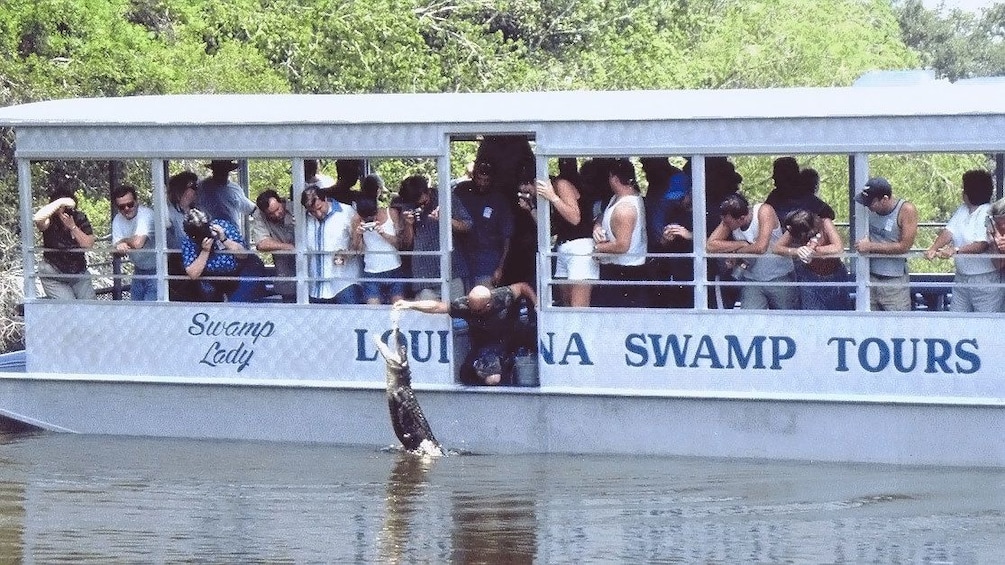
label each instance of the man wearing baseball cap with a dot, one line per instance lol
(893, 225)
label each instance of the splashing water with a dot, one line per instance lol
(395, 318)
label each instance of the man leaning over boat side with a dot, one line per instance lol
(133, 234)
(893, 225)
(66, 232)
(333, 262)
(494, 325)
(755, 230)
(272, 230)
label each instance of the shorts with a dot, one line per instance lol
(893, 298)
(575, 261)
(381, 289)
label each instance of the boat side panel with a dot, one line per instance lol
(760, 353)
(228, 342)
(498, 421)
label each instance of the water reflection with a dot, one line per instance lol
(494, 528)
(100, 500)
(405, 486)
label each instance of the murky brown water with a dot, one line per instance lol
(120, 500)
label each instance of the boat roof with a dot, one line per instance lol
(780, 120)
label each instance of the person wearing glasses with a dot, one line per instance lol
(66, 233)
(133, 235)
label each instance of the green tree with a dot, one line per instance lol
(955, 44)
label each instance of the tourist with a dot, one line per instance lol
(484, 248)
(272, 229)
(332, 245)
(66, 233)
(620, 240)
(222, 198)
(421, 233)
(754, 230)
(813, 243)
(133, 235)
(976, 284)
(214, 248)
(893, 226)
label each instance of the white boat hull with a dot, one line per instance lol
(522, 420)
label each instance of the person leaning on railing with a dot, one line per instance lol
(893, 226)
(66, 232)
(215, 248)
(996, 236)
(965, 240)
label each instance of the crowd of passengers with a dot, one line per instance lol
(606, 235)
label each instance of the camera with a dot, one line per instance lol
(369, 226)
(199, 232)
(528, 198)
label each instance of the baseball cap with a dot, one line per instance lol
(680, 185)
(876, 187)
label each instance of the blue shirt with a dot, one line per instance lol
(218, 263)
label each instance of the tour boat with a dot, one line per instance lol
(923, 387)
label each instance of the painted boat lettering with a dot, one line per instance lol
(930, 355)
(421, 345)
(226, 354)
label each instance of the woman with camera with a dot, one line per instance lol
(379, 231)
(215, 248)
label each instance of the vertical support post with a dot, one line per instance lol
(444, 198)
(300, 229)
(158, 199)
(27, 229)
(698, 232)
(999, 174)
(545, 284)
(858, 175)
(114, 180)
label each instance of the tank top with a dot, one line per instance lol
(380, 255)
(564, 231)
(768, 266)
(885, 228)
(636, 254)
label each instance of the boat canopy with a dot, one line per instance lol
(919, 118)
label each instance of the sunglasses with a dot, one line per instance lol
(126, 206)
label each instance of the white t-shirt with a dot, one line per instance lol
(141, 224)
(968, 227)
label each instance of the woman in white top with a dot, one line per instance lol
(379, 229)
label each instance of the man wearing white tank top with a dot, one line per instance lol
(754, 230)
